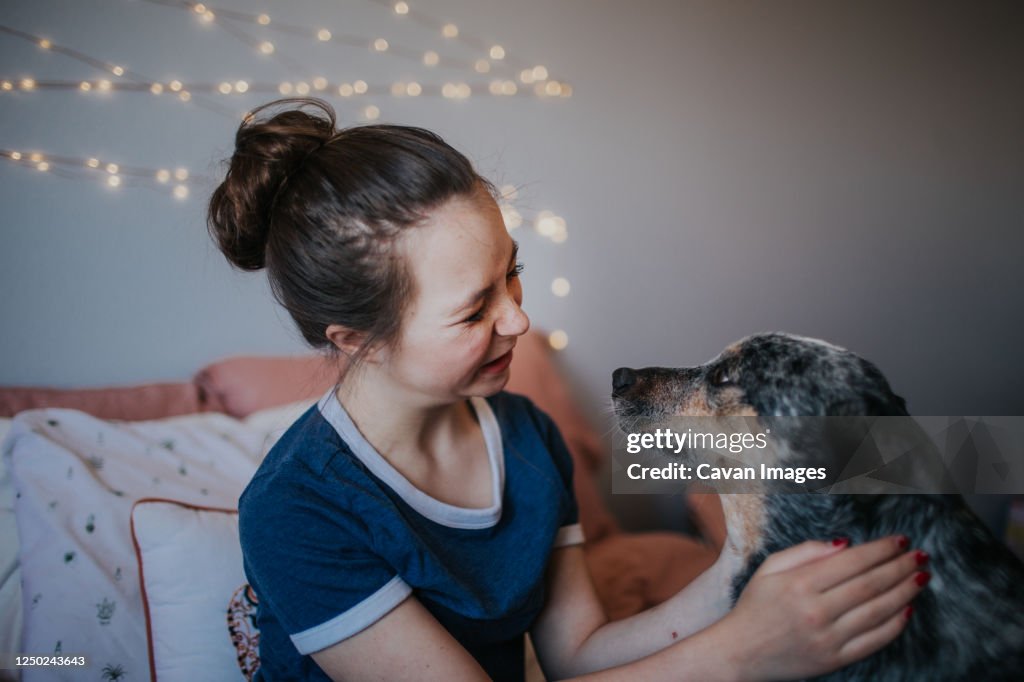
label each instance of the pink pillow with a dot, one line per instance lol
(241, 385)
(130, 403)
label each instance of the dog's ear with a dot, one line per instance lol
(887, 404)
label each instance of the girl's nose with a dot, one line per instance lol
(513, 321)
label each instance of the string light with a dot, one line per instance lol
(380, 45)
(431, 58)
(114, 181)
(558, 339)
(497, 52)
(401, 8)
(560, 287)
(371, 113)
(323, 34)
(450, 31)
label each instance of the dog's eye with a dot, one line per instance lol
(720, 376)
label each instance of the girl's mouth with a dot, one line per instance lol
(498, 365)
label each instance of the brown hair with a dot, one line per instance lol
(321, 209)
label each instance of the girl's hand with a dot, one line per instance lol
(814, 608)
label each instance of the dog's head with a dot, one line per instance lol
(762, 375)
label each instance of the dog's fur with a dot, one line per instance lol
(968, 624)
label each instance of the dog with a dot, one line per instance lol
(969, 623)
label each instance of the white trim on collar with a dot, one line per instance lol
(434, 509)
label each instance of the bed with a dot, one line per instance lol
(118, 521)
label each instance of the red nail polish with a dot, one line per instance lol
(902, 542)
(922, 578)
(921, 557)
(840, 542)
(907, 611)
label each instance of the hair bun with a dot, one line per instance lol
(267, 151)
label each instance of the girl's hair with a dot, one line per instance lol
(321, 209)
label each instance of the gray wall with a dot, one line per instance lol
(847, 170)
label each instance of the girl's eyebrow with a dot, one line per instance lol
(487, 290)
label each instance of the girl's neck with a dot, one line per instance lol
(401, 425)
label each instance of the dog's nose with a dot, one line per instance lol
(622, 379)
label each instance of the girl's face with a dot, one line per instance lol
(457, 334)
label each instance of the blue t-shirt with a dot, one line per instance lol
(333, 538)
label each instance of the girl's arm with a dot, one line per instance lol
(807, 610)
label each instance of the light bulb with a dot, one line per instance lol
(558, 339)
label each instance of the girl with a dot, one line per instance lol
(417, 520)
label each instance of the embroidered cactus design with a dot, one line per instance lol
(53, 422)
(117, 573)
(71, 472)
(167, 444)
(95, 461)
(119, 493)
(105, 611)
(57, 649)
(53, 505)
(112, 672)
(182, 470)
(35, 598)
(204, 491)
(90, 523)
(99, 438)
(156, 480)
(68, 557)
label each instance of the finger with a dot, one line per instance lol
(873, 640)
(854, 561)
(801, 554)
(865, 587)
(877, 611)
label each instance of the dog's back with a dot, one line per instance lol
(968, 624)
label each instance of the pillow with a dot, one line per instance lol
(76, 478)
(145, 401)
(200, 613)
(10, 571)
(242, 385)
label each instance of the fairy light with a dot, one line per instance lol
(448, 90)
(560, 287)
(553, 88)
(323, 35)
(413, 89)
(263, 20)
(401, 8)
(371, 113)
(450, 31)
(513, 219)
(319, 83)
(199, 8)
(398, 89)
(180, 192)
(558, 339)
(35, 157)
(16, 156)
(360, 87)
(345, 90)
(43, 166)
(85, 86)
(114, 181)
(302, 88)
(241, 86)
(540, 73)
(28, 84)
(163, 176)
(431, 58)
(181, 174)
(267, 47)
(509, 88)
(482, 66)
(45, 44)
(117, 70)
(103, 85)
(112, 168)
(285, 88)
(156, 88)
(380, 45)
(184, 95)
(174, 85)
(6, 85)
(526, 76)
(497, 52)
(93, 163)
(225, 88)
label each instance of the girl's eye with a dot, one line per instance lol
(479, 314)
(475, 317)
(517, 270)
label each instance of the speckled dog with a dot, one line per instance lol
(969, 623)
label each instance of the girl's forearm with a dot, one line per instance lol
(700, 604)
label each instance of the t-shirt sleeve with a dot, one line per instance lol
(311, 565)
(570, 532)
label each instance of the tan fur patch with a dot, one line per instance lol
(744, 521)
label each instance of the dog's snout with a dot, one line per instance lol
(622, 379)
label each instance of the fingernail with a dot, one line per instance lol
(907, 611)
(921, 557)
(840, 542)
(922, 578)
(902, 542)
